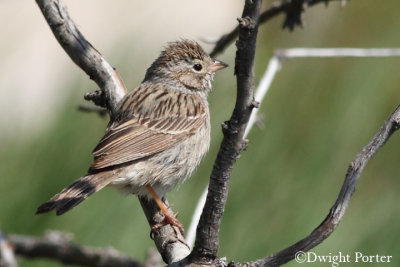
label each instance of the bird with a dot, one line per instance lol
(159, 134)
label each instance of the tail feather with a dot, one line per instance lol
(77, 192)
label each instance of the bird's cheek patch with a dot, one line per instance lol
(191, 82)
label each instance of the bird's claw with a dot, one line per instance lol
(168, 219)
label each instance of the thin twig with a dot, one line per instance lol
(277, 9)
(56, 245)
(82, 52)
(281, 54)
(337, 52)
(207, 237)
(265, 83)
(337, 211)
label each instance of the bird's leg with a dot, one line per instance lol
(168, 217)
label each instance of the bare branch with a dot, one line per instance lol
(82, 52)
(58, 246)
(207, 236)
(292, 8)
(336, 52)
(168, 239)
(337, 211)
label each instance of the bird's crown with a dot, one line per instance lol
(182, 50)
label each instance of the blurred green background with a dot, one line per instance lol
(317, 116)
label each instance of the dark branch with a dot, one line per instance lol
(292, 8)
(56, 245)
(82, 52)
(207, 237)
(337, 211)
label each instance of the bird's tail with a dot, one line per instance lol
(77, 192)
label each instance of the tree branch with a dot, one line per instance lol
(56, 245)
(292, 8)
(83, 53)
(207, 237)
(168, 239)
(337, 211)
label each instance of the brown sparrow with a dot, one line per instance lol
(159, 136)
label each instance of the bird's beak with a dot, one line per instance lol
(216, 66)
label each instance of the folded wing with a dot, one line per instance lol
(141, 137)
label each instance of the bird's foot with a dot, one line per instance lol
(168, 219)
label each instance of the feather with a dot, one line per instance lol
(144, 134)
(77, 192)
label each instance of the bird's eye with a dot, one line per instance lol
(197, 67)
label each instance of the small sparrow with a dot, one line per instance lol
(159, 136)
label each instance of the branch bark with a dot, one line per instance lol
(83, 53)
(56, 245)
(292, 8)
(337, 211)
(207, 237)
(168, 239)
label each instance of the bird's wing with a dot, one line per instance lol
(141, 137)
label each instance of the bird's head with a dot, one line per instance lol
(184, 62)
